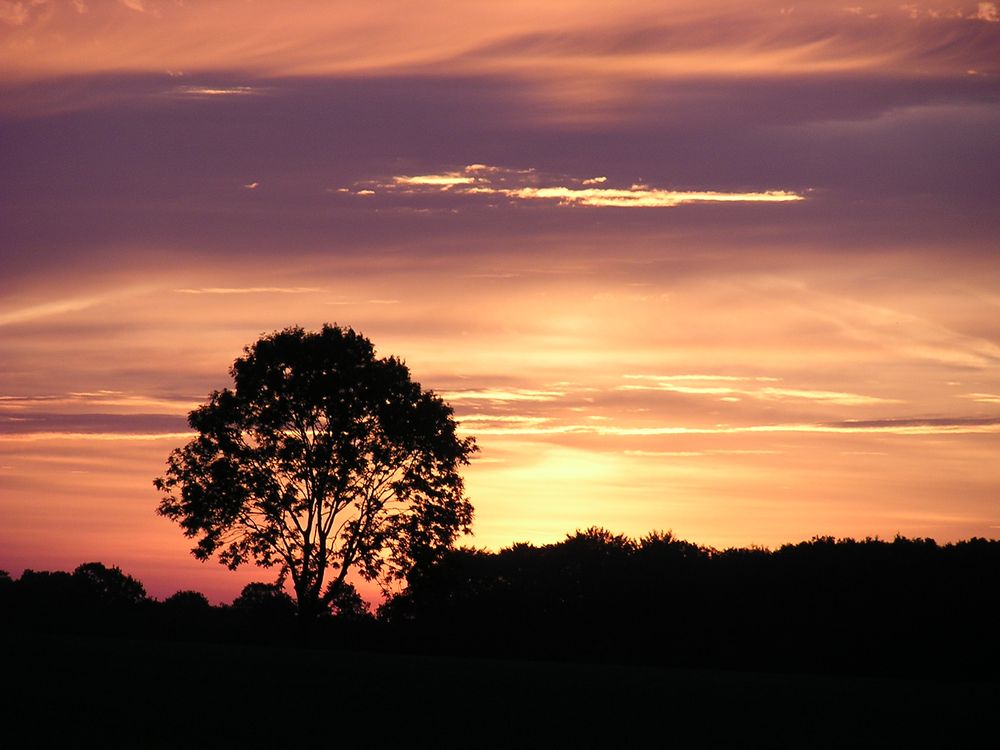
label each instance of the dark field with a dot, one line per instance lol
(70, 691)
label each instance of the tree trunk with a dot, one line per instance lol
(307, 615)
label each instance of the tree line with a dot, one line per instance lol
(863, 606)
(867, 606)
(95, 599)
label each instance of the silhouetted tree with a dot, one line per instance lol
(187, 601)
(6, 588)
(349, 605)
(265, 599)
(39, 587)
(320, 460)
(110, 585)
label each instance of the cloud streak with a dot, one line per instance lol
(251, 290)
(214, 91)
(103, 437)
(502, 395)
(911, 427)
(530, 185)
(101, 398)
(667, 383)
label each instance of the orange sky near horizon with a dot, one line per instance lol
(727, 271)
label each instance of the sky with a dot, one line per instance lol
(730, 269)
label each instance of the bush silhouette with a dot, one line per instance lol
(109, 585)
(187, 601)
(264, 600)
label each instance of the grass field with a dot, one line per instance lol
(62, 691)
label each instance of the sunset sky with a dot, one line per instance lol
(726, 268)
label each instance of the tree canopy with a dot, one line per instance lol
(321, 459)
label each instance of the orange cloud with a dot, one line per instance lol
(562, 39)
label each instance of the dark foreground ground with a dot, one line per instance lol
(79, 691)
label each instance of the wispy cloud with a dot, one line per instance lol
(542, 426)
(983, 12)
(769, 393)
(15, 13)
(443, 181)
(530, 185)
(213, 91)
(483, 421)
(45, 309)
(685, 377)
(100, 398)
(250, 290)
(62, 306)
(896, 330)
(711, 452)
(985, 398)
(498, 394)
(987, 12)
(974, 424)
(144, 437)
(642, 196)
